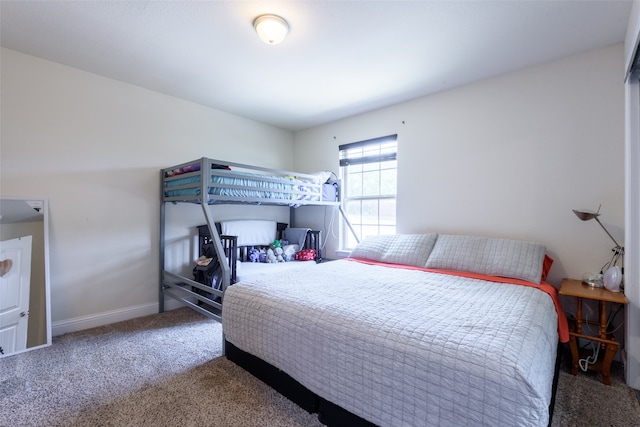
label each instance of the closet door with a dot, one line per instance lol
(632, 230)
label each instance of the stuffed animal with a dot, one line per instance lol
(254, 255)
(289, 251)
(262, 256)
(305, 255)
(279, 254)
(271, 256)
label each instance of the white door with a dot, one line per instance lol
(15, 283)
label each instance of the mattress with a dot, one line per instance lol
(247, 185)
(249, 270)
(402, 347)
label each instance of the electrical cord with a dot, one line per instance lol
(584, 363)
(333, 212)
(590, 360)
(613, 316)
(616, 329)
(331, 221)
(618, 254)
(586, 325)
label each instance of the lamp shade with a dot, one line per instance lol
(585, 215)
(618, 251)
(271, 29)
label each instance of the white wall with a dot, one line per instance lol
(94, 147)
(507, 157)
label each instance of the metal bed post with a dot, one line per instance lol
(213, 231)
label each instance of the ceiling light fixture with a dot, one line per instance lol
(271, 29)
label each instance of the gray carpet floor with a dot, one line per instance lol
(167, 370)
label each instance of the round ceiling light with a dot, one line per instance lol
(271, 29)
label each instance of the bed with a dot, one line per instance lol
(411, 330)
(208, 182)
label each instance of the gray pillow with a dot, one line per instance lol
(484, 255)
(406, 249)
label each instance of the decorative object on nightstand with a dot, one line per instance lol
(610, 274)
(604, 344)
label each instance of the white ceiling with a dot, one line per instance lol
(14, 211)
(340, 58)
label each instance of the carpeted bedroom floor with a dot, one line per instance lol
(167, 370)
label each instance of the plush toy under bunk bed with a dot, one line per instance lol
(304, 245)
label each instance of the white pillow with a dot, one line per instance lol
(406, 249)
(484, 255)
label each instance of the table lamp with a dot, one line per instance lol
(612, 273)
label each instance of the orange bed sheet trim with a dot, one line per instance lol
(563, 325)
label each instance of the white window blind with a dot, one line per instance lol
(368, 170)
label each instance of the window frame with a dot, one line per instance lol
(387, 148)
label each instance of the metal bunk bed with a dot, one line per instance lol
(207, 182)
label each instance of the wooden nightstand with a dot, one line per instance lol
(608, 344)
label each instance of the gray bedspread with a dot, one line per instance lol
(402, 347)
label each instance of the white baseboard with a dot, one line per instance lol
(105, 318)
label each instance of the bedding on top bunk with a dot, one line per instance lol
(250, 185)
(406, 346)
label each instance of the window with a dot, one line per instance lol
(368, 170)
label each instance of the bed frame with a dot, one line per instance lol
(207, 182)
(328, 412)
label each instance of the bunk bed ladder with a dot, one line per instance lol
(213, 232)
(217, 244)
